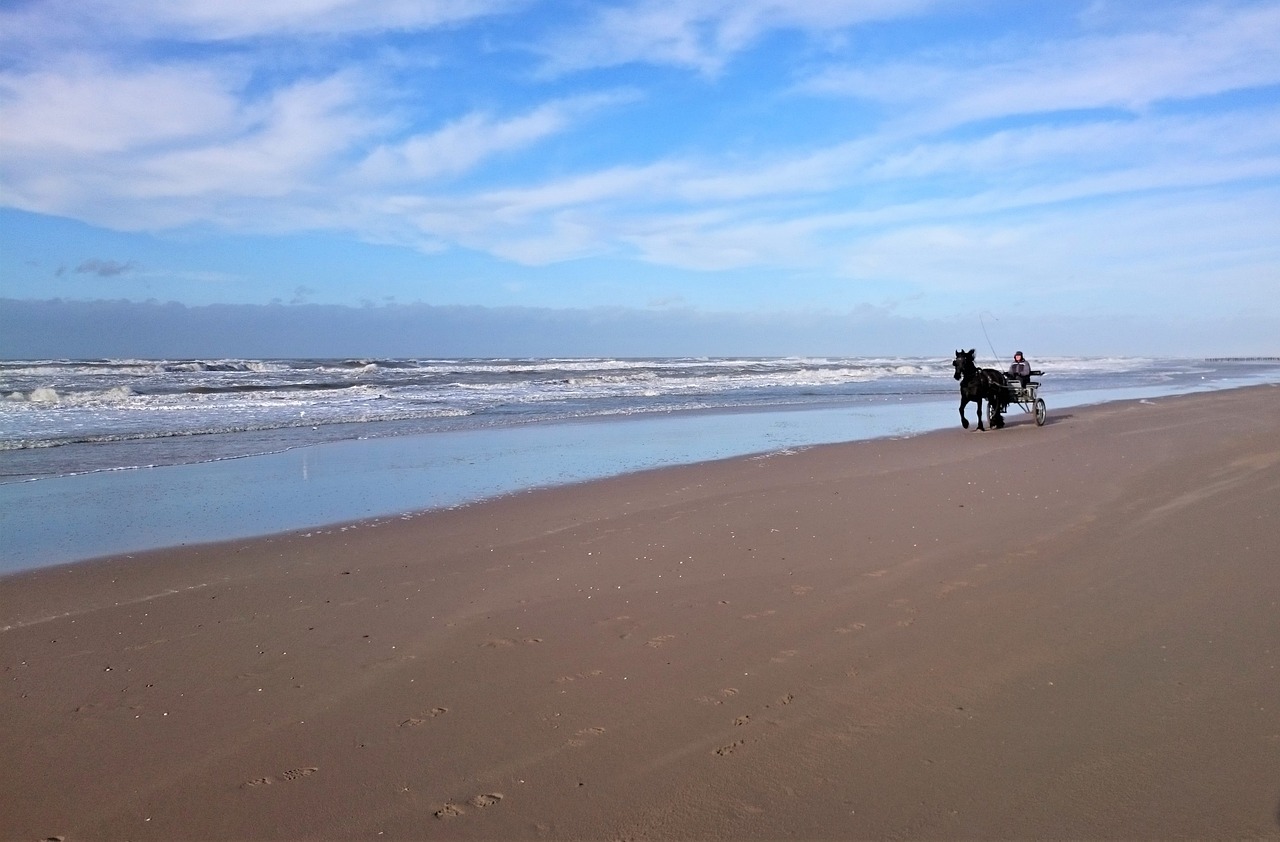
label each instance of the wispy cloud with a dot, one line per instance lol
(789, 211)
(702, 34)
(171, 145)
(105, 268)
(52, 21)
(277, 143)
(88, 108)
(463, 143)
(630, 131)
(1201, 53)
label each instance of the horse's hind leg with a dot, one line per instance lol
(979, 404)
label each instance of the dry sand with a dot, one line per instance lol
(1068, 631)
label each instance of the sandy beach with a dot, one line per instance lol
(1062, 632)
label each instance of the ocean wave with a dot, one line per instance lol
(312, 421)
(50, 395)
(50, 402)
(247, 388)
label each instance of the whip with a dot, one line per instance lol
(994, 355)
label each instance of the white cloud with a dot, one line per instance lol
(1134, 252)
(235, 142)
(298, 130)
(1147, 151)
(467, 141)
(640, 185)
(703, 34)
(53, 21)
(802, 172)
(711, 242)
(797, 210)
(537, 224)
(89, 108)
(118, 147)
(458, 146)
(240, 18)
(1199, 55)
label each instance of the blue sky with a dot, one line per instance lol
(1046, 166)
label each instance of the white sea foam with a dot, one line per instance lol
(103, 402)
(50, 395)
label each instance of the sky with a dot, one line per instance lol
(704, 176)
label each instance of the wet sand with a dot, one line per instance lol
(1067, 631)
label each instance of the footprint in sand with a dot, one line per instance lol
(419, 720)
(290, 775)
(784, 656)
(726, 693)
(741, 720)
(801, 590)
(851, 628)
(453, 811)
(579, 739)
(507, 643)
(911, 611)
(657, 642)
(726, 750)
(766, 613)
(579, 676)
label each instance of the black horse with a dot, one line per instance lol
(979, 384)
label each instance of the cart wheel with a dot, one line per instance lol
(1042, 412)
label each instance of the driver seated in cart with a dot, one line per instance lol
(1020, 369)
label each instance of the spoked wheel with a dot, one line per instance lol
(1042, 412)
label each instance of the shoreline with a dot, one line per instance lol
(349, 481)
(329, 432)
(1064, 631)
(66, 519)
(841, 405)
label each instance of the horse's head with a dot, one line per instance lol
(962, 363)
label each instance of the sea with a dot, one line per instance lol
(107, 456)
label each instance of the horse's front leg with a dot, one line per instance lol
(979, 404)
(964, 422)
